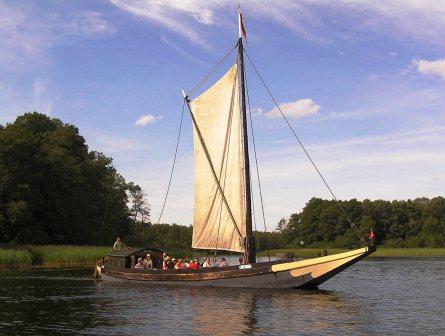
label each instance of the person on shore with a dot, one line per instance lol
(139, 264)
(206, 263)
(223, 263)
(193, 264)
(148, 263)
(119, 245)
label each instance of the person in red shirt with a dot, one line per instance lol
(193, 264)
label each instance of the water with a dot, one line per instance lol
(376, 296)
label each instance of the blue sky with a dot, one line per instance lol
(363, 83)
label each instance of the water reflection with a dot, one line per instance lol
(374, 297)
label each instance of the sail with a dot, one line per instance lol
(219, 120)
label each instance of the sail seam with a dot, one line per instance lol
(207, 154)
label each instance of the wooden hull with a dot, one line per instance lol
(278, 274)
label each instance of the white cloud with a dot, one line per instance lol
(176, 16)
(295, 110)
(113, 144)
(180, 50)
(431, 67)
(316, 20)
(26, 34)
(146, 119)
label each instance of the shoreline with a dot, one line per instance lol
(68, 256)
(382, 252)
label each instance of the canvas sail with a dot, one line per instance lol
(217, 115)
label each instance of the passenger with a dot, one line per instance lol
(148, 263)
(180, 264)
(193, 264)
(171, 263)
(139, 265)
(206, 263)
(164, 255)
(223, 263)
(119, 245)
(165, 263)
(241, 260)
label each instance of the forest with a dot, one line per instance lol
(54, 190)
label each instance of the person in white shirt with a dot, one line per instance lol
(139, 265)
(206, 263)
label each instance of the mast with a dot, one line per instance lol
(249, 242)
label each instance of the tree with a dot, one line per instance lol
(140, 209)
(53, 189)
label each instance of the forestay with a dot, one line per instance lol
(217, 115)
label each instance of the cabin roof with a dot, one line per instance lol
(129, 251)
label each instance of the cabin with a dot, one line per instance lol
(127, 258)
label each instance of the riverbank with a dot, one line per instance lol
(59, 256)
(50, 256)
(382, 252)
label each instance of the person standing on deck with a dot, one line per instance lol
(371, 237)
(119, 244)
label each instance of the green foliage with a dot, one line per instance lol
(12, 257)
(67, 256)
(54, 190)
(51, 255)
(163, 236)
(412, 223)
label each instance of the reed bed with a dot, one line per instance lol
(51, 256)
(11, 258)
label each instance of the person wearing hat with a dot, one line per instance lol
(148, 263)
(139, 265)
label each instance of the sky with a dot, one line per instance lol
(362, 82)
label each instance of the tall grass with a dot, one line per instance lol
(51, 256)
(12, 257)
(66, 255)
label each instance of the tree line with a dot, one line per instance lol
(412, 223)
(54, 190)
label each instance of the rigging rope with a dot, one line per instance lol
(353, 226)
(174, 163)
(257, 167)
(211, 72)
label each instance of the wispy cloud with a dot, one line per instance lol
(146, 119)
(316, 20)
(26, 34)
(388, 166)
(176, 15)
(431, 67)
(180, 51)
(297, 109)
(112, 144)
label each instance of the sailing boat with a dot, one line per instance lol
(223, 208)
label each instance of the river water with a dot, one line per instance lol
(374, 297)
